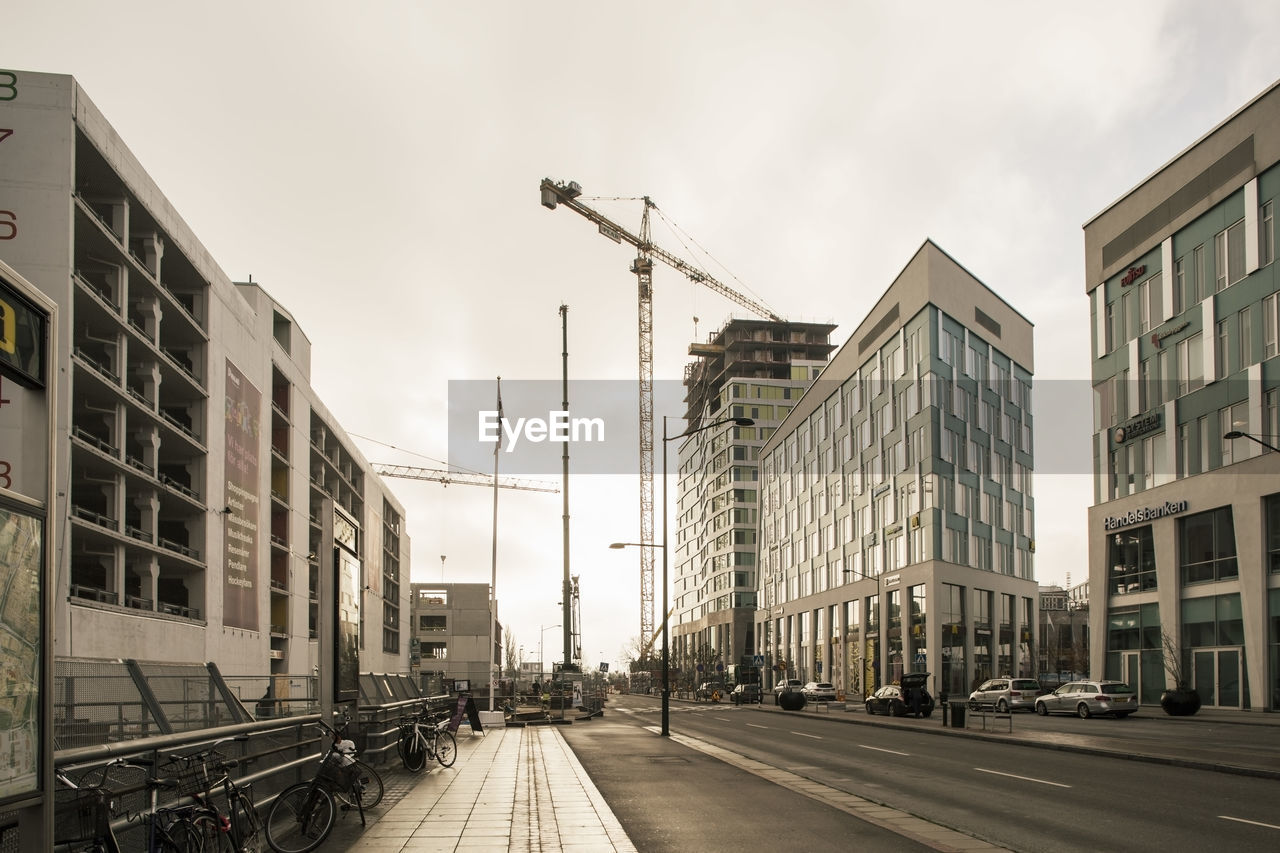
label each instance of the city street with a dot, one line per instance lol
(1037, 790)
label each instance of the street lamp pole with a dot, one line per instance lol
(1235, 433)
(666, 647)
(542, 664)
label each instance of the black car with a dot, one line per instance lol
(894, 700)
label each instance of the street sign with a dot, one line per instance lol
(604, 667)
(920, 658)
(719, 667)
(819, 667)
(759, 660)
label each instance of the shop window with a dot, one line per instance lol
(1208, 547)
(1212, 621)
(1131, 561)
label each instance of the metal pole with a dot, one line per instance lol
(566, 619)
(666, 652)
(493, 579)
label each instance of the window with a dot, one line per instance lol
(1244, 352)
(1267, 234)
(1231, 418)
(1109, 328)
(432, 623)
(1269, 325)
(1222, 349)
(1208, 547)
(1179, 285)
(1190, 364)
(1272, 522)
(1198, 274)
(1228, 256)
(1150, 304)
(1148, 463)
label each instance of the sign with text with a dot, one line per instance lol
(243, 420)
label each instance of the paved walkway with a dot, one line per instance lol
(511, 789)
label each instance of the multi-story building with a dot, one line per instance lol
(754, 369)
(1064, 634)
(450, 627)
(1184, 535)
(195, 460)
(896, 517)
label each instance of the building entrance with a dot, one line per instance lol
(1216, 674)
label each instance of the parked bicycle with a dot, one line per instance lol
(239, 829)
(303, 814)
(422, 739)
(371, 787)
(84, 813)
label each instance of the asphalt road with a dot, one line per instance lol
(1011, 794)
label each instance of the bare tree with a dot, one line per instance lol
(511, 655)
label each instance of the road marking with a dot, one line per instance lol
(723, 719)
(802, 734)
(881, 749)
(755, 726)
(1253, 822)
(1023, 778)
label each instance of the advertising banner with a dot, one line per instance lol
(240, 536)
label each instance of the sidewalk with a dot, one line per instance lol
(516, 789)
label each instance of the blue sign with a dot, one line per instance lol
(819, 667)
(759, 660)
(719, 667)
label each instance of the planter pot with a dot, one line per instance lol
(791, 700)
(1180, 702)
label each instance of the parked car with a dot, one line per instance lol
(745, 694)
(1089, 698)
(786, 685)
(819, 691)
(894, 700)
(1006, 694)
(711, 690)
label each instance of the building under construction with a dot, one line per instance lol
(748, 369)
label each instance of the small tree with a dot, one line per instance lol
(1173, 661)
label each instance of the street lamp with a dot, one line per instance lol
(541, 663)
(1235, 433)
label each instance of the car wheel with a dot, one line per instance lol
(974, 706)
(871, 709)
(1003, 707)
(1042, 709)
(1083, 710)
(897, 709)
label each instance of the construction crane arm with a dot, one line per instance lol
(439, 475)
(567, 194)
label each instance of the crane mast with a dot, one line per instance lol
(567, 193)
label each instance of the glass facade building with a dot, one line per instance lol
(1183, 533)
(896, 516)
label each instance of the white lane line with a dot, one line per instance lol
(723, 719)
(1252, 822)
(881, 749)
(755, 726)
(802, 734)
(1023, 778)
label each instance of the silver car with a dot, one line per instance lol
(1006, 694)
(1089, 698)
(819, 691)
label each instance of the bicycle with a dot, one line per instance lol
(168, 829)
(422, 739)
(371, 787)
(240, 829)
(303, 814)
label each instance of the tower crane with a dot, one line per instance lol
(439, 475)
(567, 193)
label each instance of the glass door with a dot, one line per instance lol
(1216, 674)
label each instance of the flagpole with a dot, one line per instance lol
(493, 580)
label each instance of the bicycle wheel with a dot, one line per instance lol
(446, 748)
(370, 786)
(212, 833)
(178, 835)
(247, 823)
(413, 752)
(300, 819)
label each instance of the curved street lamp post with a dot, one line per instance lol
(666, 648)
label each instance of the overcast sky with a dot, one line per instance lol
(375, 167)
